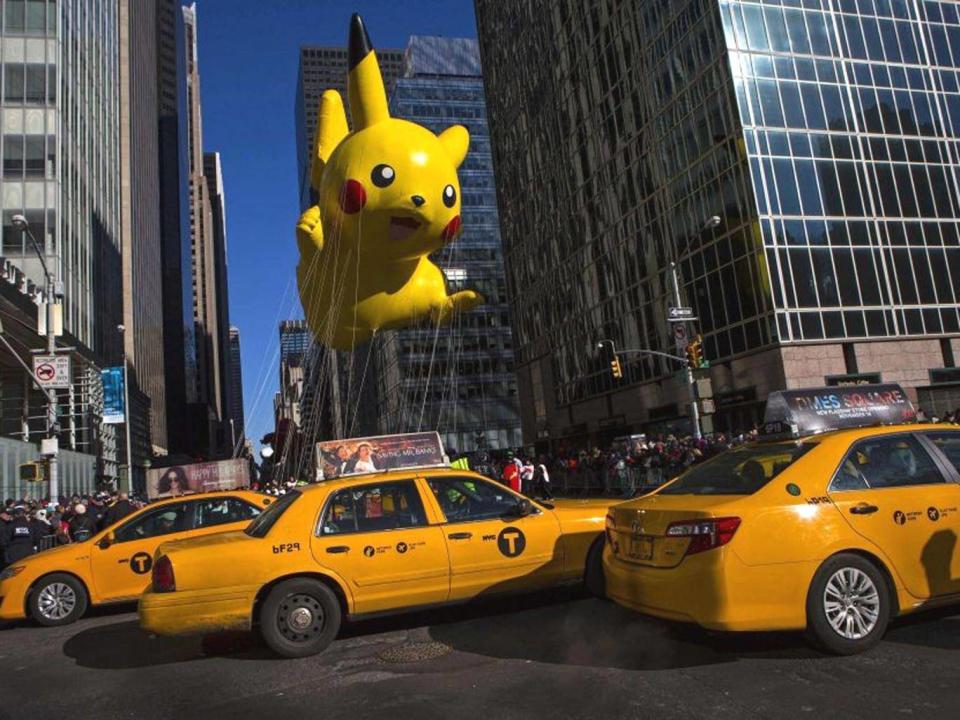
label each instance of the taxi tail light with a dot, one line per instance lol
(163, 580)
(705, 534)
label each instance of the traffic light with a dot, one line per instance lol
(695, 353)
(615, 368)
(33, 472)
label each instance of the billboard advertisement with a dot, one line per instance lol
(833, 408)
(197, 477)
(113, 395)
(336, 458)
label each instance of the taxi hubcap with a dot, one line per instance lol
(851, 603)
(300, 618)
(56, 601)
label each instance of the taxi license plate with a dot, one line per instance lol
(640, 547)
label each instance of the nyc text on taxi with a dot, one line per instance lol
(368, 545)
(834, 533)
(56, 586)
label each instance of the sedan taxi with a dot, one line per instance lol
(367, 545)
(55, 587)
(834, 533)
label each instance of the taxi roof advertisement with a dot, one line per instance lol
(357, 456)
(198, 477)
(833, 408)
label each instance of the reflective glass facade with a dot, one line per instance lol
(851, 114)
(458, 380)
(821, 133)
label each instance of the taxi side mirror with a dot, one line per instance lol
(106, 541)
(524, 508)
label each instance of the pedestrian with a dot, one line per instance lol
(82, 526)
(526, 477)
(119, 510)
(19, 536)
(541, 480)
(511, 475)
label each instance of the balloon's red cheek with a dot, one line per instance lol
(352, 197)
(451, 230)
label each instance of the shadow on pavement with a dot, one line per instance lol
(124, 645)
(938, 629)
(595, 633)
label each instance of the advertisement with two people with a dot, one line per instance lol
(336, 458)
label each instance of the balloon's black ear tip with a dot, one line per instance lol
(360, 45)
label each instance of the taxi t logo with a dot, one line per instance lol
(141, 563)
(511, 541)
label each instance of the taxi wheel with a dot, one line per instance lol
(848, 606)
(593, 577)
(300, 617)
(57, 599)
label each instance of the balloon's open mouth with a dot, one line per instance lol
(402, 227)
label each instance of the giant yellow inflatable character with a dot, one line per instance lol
(387, 196)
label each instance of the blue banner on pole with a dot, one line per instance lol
(113, 405)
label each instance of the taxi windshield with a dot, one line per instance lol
(741, 471)
(261, 524)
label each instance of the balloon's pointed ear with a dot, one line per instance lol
(455, 139)
(365, 91)
(331, 129)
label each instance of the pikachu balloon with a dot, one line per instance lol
(387, 196)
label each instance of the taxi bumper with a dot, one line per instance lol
(714, 589)
(13, 600)
(196, 612)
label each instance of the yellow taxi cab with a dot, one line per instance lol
(835, 532)
(370, 544)
(55, 587)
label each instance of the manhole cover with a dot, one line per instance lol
(414, 652)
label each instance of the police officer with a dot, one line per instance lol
(19, 537)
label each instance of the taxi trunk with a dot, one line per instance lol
(660, 530)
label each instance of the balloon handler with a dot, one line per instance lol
(387, 195)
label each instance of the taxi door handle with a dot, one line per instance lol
(863, 509)
(335, 549)
(460, 536)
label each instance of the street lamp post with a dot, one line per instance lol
(20, 222)
(128, 483)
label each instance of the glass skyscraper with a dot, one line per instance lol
(458, 380)
(822, 134)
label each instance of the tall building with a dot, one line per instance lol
(822, 136)
(179, 342)
(141, 250)
(459, 379)
(235, 396)
(61, 168)
(325, 68)
(295, 339)
(208, 263)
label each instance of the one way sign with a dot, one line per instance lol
(680, 314)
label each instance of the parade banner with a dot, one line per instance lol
(832, 408)
(198, 477)
(336, 458)
(114, 411)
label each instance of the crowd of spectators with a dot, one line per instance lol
(29, 525)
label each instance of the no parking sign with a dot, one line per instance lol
(52, 371)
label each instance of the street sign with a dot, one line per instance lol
(680, 314)
(52, 371)
(680, 337)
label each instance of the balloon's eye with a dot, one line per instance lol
(449, 196)
(382, 175)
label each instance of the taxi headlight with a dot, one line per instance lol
(12, 571)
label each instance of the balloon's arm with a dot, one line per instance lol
(331, 129)
(310, 232)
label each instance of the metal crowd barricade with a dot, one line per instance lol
(607, 482)
(47, 542)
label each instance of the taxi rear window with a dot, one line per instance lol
(742, 471)
(264, 521)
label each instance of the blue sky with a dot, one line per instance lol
(248, 79)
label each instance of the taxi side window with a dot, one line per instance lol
(172, 518)
(883, 462)
(370, 508)
(222, 510)
(949, 444)
(466, 498)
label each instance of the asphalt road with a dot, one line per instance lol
(554, 656)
